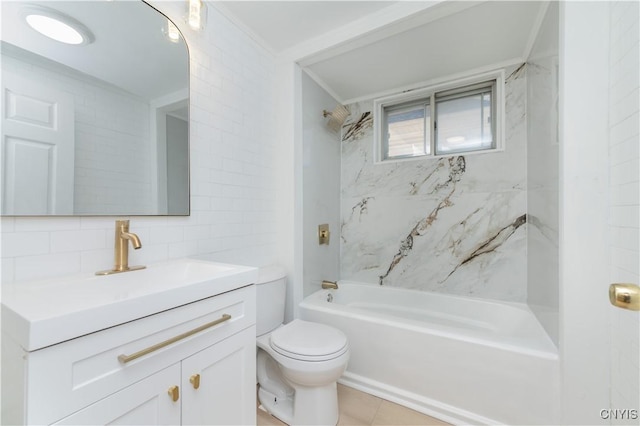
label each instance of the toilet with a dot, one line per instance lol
(299, 363)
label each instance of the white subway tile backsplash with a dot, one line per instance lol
(183, 249)
(90, 239)
(17, 244)
(92, 261)
(210, 245)
(197, 232)
(200, 203)
(169, 234)
(29, 268)
(28, 224)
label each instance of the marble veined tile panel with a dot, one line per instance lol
(449, 224)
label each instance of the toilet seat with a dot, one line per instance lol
(307, 341)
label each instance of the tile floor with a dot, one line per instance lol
(360, 408)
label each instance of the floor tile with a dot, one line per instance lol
(362, 409)
(356, 408)
(390, 413)
(266, 419)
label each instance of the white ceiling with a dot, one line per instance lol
(440, 39)
(283, 24)
(355, 49)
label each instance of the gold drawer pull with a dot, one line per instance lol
(126, 358)
(174, 393)
(195, 381)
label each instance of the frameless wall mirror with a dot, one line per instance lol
(94, 110)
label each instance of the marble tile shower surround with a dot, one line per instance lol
(449, 224)
(542, 178)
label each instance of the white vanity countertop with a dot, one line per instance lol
(42, 313)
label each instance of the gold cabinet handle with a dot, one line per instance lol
(126, 358)
(174, 393)
(195, 381)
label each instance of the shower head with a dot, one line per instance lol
(336, 117)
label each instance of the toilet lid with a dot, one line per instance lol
(308, 341)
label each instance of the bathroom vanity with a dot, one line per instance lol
(171, 344)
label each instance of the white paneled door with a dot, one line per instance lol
(37, 155)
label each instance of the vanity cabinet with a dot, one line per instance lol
(225, 375)
(145, 402)
(193, 364)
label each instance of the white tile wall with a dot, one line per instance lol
(233, 184)
(624, 176)
(321, 187)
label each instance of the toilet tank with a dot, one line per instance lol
(271, 290)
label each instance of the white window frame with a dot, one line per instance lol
(427, 94)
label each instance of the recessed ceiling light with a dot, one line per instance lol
(56, 25)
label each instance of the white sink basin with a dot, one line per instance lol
(42, 313)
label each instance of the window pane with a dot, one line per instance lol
(408, 132)
(464, 124)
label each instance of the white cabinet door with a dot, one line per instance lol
(37, 152)
(146, 402)
(226, 394)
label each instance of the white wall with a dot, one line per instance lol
(288, 163)
(584, 306)
(113, 164)
(542, 174)
(233, 186)
(321, 187)
(624, 222)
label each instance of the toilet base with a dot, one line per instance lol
(294, 404)
(302, 407)
(282, 408)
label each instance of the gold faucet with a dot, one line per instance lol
(123, 236)
(329, 285)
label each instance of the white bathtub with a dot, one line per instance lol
(460, 359)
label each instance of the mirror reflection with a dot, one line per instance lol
(96, 124)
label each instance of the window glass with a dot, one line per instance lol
(408, 133)
(464, 123)
(445, 122)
